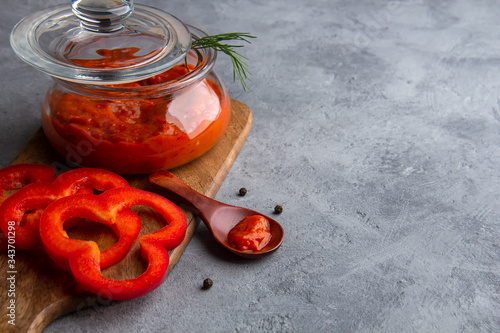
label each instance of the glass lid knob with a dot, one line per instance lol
(102, 15)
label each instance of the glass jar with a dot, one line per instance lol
(157, 123)
(127, 110)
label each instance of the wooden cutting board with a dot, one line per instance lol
(44, 292)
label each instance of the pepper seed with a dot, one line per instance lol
(278, 209)
(243, 191)
(207, 283)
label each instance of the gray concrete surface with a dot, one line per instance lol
(377, 127)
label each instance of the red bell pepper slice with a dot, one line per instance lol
(84, 257)
(38, 196)
(17, 176)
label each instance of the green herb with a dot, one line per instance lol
(217, 42)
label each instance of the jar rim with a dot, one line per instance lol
(205, 63)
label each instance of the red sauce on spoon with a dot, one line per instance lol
(252, 233)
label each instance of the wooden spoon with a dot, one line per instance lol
(219, 217)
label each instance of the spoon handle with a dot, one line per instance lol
(170, 186)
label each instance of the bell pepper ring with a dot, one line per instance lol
(84, 258)
(17, 176)
(127, 235)
(39, 195)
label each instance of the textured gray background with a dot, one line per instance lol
(377, 127)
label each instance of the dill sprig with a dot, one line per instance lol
(217, 42)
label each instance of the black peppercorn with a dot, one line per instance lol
(207, 283)
(243, 191)
(278, 209)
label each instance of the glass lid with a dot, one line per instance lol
(101, 41)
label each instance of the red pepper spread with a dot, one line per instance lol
(136, 134)
(252, 233)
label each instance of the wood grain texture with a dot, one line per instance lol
(45, 292)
